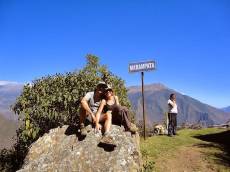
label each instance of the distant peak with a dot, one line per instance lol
(157, 85)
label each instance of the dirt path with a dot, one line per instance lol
(186, 159)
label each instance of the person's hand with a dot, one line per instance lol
(93, 119)
(98, 127)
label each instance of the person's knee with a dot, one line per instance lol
(108, 116)
(82, 111)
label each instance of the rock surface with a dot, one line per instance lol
(64, 149)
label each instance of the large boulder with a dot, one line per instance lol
(64, 149)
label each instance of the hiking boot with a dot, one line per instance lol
(83, 130)
(133, 128)
(107, 139)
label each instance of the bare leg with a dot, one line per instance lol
(83, 115)
(108, 121)
(107, 117)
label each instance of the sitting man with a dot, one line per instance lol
(89, 106)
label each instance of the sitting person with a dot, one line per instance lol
(120, 115)
(89, 106)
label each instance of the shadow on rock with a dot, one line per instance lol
(74, 130)
(107, 147)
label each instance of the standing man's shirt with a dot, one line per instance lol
(92, 104)
(172, 106)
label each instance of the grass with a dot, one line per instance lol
(157, 146)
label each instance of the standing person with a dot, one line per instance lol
(172, 115)
(89, 106)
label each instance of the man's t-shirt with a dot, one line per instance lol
(172, 106)
(90, 99)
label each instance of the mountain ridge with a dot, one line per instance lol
(226, 109)
(9, 91)
(190, 110)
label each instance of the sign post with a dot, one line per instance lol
(141, 67)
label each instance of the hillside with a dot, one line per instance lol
(7, 132)
(9, 91)
(190, 109)
(191, 150)
(226, 109)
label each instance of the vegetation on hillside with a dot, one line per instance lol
(8, 129)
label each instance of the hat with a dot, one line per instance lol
(102, 83)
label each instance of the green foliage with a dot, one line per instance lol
(53, 101)
(6, 156)
(148, 165)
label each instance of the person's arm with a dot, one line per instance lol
(85, 105)
(98, 114)
(117, 101)
(170, 102)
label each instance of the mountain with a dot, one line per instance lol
(190, 110)
(9, 91)
(7, 132)
(226, 109)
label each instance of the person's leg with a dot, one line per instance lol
(170, 124)
(127, 122)
(174, 123)
(107, 119)
(83, 116)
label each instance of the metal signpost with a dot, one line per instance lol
(141, 67)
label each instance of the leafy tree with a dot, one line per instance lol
(53, 101)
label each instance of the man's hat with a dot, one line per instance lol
(102, 84)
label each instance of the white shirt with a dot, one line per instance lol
(92, 104)
(172, 106)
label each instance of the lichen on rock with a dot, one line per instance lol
(64, 149)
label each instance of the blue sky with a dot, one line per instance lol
(190, 41)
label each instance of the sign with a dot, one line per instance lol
(142, 66)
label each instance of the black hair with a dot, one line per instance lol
(171, 96)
